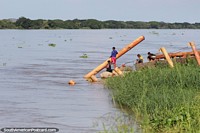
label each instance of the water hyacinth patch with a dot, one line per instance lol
(52, 45)
(84, 56)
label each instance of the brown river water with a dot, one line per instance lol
(34, 90)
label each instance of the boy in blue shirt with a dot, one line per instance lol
(113, 56)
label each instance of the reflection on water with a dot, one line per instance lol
(34, 76)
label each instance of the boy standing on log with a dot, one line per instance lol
(113, 56)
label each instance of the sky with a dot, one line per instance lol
(119, 10)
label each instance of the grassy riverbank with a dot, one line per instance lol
(162, 99)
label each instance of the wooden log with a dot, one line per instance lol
(195, 52)
(106, 74)
(164, 51)
(120, 53)
(94, 78)
(177, 54)
(114, 73)
(118, 71)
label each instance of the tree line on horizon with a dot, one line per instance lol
(26, 23)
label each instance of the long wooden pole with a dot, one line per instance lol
(120, 53)
(164, 51)
(195, 51)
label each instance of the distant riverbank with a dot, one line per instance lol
(26, 23)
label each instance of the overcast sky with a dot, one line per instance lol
(124, 10)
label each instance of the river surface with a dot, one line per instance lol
(34, 90)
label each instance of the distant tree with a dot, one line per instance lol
(24, 23)
(186, 25)
(137, 25)
(7, 24)
(76, 24)
(197, 25)
(154, 24)
(51, 24)
(112, 24)
(57, 23)
(68, 24)
(37, 24)
(92, 24)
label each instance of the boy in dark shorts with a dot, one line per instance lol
(108, 67)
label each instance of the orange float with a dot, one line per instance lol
(71, 82)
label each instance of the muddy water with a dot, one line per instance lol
(34, 90)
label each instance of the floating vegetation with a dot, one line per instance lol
(84, 56)
(154, 32)
(52, 45)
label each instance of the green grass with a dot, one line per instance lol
(162, 99)
(118, 123)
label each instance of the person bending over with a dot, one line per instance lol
(140, 59)
(151, 57)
